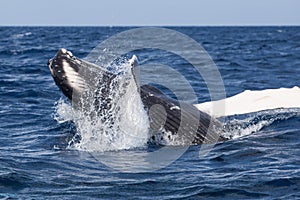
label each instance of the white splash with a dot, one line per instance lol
(63, 111)
(21, 35)
(126, 125)
(254, 122)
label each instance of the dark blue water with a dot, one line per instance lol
(35, 162)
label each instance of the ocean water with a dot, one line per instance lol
(36, 161)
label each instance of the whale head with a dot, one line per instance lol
(74, 76)
(65, 70)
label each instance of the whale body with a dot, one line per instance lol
(168, 116)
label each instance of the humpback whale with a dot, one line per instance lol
(172, 118)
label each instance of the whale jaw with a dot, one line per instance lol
(65, 70)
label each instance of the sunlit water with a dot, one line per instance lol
(39, 155)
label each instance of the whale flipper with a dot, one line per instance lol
(254, 101)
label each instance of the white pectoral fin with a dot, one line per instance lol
(253, 101)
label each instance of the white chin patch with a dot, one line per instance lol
(73, 78)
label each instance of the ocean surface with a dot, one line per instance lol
(37, 161)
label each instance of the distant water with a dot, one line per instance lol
(261, 163)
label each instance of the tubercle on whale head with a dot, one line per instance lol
(62, 54)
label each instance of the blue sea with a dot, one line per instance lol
(36, 161)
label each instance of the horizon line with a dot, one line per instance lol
(151, 25)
